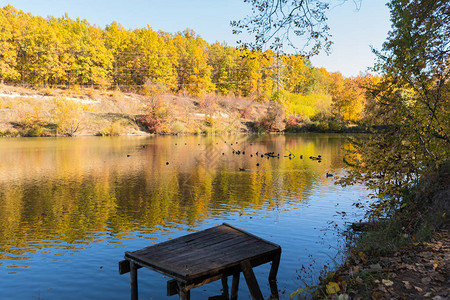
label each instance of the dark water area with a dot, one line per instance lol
(71, 207)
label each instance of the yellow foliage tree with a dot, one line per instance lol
(67, 116)
(8, 53)
(348, 98)
(194, 74)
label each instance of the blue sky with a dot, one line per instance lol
(353, 31)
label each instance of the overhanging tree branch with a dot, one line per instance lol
(281, 24)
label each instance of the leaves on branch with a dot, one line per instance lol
(279, 23)
(410, 106)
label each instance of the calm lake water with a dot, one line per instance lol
(71, 207)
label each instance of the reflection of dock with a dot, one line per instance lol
(206, 256)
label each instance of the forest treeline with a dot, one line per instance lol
(65, 52)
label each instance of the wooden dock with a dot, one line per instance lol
(206, 256)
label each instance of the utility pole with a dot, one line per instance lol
(278, 78)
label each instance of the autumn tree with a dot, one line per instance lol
(249, 73)
(92, 62)
(120, 44)
(8, 46)
(67, 116)
(224, 62)
(194, 73)
(65, 51)
(47, 51)
(412, 101)
(348, 98)
(295, 73)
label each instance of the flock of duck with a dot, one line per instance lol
(269, 155)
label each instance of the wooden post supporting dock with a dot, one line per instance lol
(250, 278)
(133, 281)
(206, 256)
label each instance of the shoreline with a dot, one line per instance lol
(406, 256)
(47, 112)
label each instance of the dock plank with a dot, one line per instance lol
(194, 260)
(205, 256)
(195, 241)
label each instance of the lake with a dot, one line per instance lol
(71, 207)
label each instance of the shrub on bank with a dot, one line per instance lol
(115, 129)
(272, 121)
(297, 123)
(151, 123)
(67, 116)
(9, 133)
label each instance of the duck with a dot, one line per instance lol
(329, 175)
